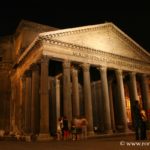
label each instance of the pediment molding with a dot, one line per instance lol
(89, 50)
(109, 26)
(131, 42)
(46, 42)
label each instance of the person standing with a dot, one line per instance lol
(137, 119)
(59, 128)
(65, 128)
(84, 124)
(143, 124)
(73, 131)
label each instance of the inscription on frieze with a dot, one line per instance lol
(107, 60)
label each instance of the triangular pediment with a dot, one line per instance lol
(105, 37)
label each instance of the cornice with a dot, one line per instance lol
(66, 32)
(136, 47)
(49, 38)
(90, 50)
(109, 26)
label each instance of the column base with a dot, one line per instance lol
(90, 134)
(28, 138)
(127, 130)
(110, 131)
(44, 137)
(148, 125)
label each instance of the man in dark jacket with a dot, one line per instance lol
(137, 119)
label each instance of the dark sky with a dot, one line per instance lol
(134, 22)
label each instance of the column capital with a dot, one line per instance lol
(132, 73)
(74, 69)
(119, 71)
(102, 68)
(66, 64)
(44, 59)
(34, 67)
(27, 73)
(144, 75)
(85, 67)
(22, 77)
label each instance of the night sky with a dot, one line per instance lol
(135, 23)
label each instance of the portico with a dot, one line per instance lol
(79, 72)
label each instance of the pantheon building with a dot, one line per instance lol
(94, 71)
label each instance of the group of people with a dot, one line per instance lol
(75, 130)
(140, 120)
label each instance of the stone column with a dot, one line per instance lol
(12, 106)
(87, 97)
(145, 96)
(106, 102)
(57, 100)
(133, 92)
(75, 93)
(17, 105)
(22, 103)
(23, 80)
(35, 99)
(44, 101)
(145, 92)
(111, 106)
(121, 101)
(67, 91)
(133, 85)
(28, 103)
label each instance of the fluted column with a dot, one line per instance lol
(75, 92)
(35, 99)
(28, 102)
(121, 101)
(106, 103)
(87, 97)
(67, 91)
(44, 100)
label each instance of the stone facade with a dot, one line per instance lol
(92, 71)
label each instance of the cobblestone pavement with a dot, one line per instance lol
(122, 142)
